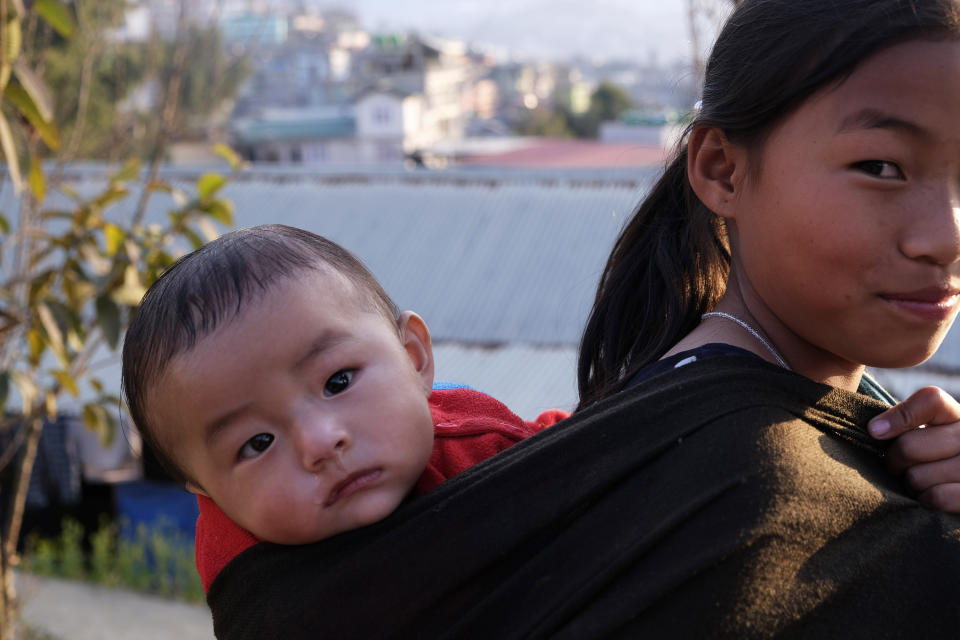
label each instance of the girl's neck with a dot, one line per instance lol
(768, 339)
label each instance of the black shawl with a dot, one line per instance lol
(728, 498)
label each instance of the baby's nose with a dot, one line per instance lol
(322, 441)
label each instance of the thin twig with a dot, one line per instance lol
(168, 115)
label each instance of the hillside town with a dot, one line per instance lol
(324, 89)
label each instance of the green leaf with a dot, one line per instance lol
(35, 87)
(93, 416)
(50, 405)
(14, 39)
(4, 390)
(67, 382)
(195, 240)
(36, 344)
(70, 192)
(112, 194)
(129, 171)
(6, 70)
(99, 420)
(16, 95)
(57, 15)
(220, 210)
(38, 183)
(131, 291)
(159, 185)
(10, 153)
(229, 155)
(108, 317)
(96, 385)
(114, 236)
(27, 388)
(50, 327)
(4, 224)
(209, 184)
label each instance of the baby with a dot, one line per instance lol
(275, 378)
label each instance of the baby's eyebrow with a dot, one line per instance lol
(217, 426)
(870, 118)
(326, 340)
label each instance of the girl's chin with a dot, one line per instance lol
(903, 359)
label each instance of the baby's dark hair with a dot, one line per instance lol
(210, 286)
(671, 261)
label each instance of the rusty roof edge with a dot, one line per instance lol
(627, 179)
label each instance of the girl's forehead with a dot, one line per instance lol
(912, 88)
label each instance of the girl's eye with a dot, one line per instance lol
(255, 446)
(338, 383)
(880, 169)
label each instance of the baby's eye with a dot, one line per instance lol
(338, 382)
(255, 446)
(880, 169)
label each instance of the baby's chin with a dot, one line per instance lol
(363, 513)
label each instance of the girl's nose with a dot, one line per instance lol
(932, 230)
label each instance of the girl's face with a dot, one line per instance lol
(846, 242)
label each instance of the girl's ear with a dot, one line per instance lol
(716, 169)
(415, 337)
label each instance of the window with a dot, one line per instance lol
(381, 115)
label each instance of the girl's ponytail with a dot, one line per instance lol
(668, 266)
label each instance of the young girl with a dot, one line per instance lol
(719, 479)
(811, 220)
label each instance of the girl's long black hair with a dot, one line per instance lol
(670, 263)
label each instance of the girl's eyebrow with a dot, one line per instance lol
(870, 118)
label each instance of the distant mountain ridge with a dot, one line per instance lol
(555, 29)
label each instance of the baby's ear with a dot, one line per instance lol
(415, 337)
(195, 488)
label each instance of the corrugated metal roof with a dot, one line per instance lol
(485, 257)
(527, 379)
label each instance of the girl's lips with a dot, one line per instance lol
(930, 305)
(351, 484)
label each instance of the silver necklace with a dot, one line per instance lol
(752, 331)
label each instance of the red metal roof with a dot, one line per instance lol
(573, 153)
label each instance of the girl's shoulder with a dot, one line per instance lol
(678, 360)
(721, 352)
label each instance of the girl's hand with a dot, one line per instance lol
(927, 450)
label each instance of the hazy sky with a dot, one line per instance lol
(543, 28)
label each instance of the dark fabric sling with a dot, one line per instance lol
(725, 499)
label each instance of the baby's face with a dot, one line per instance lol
(305, 415)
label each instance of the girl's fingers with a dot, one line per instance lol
(945, 497)
(925, 476)
(928, 406)
(932, 444)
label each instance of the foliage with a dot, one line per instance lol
(120, 84)
(77, 273)
(155, 559)
(74, 264)
(607, 102)
(547, 123)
